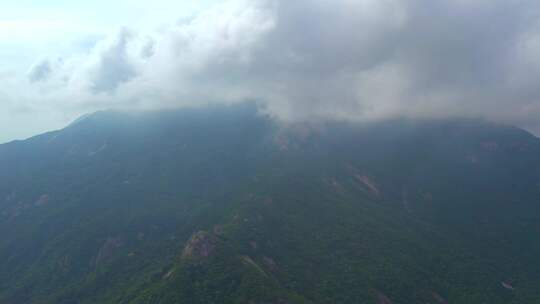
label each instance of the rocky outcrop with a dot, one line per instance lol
(438, 298)
(369, 184)
(201, 245)
(107, 250)
(42, 200)
(382, 298)
(507, 285)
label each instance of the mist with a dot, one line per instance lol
(362, 60)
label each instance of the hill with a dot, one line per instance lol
(224, 205)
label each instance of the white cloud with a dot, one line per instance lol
(40, 71)
(305, 59)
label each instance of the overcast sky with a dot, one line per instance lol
(302, 59)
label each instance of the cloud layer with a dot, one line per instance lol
(310, 59)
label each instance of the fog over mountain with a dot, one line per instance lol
(224, 205)
(361, 60)
(269, 151)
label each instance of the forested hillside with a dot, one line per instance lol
(225, 205)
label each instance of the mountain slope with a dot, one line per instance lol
(224, 205)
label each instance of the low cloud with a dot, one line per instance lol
(113, 65)
(40, 71)
(311, 59)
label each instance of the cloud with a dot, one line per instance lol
(40, 71)
(310, 59)
(113, 66)
(147, 49)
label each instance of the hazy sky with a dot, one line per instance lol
(302, 59)
(37, 36)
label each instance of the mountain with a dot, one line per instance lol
(225, 205)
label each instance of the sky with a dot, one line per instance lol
(362, 60)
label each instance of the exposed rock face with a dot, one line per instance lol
(218, 230)
(383, 299)
(297, 135)
(439, 298)
(42, 200)
(507, 285)
(368, 183)
(168, 274)
(201, 245)
(108, 249)
(249, 261)
(270, 263)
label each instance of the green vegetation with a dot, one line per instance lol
(222, 205)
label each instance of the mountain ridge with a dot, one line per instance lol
(105, 210)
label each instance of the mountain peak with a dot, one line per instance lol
(334, 212)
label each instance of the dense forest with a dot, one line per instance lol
(226, 205)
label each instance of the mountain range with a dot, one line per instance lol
(224, 204)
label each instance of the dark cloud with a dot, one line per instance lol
(370, 60)
(373, 59)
